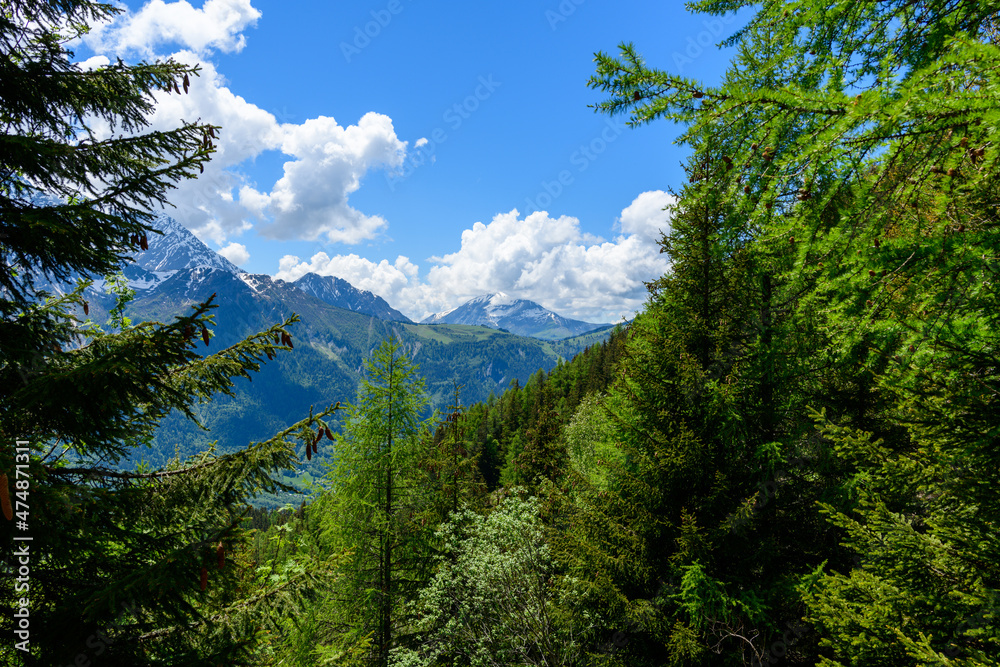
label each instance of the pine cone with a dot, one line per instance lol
(5, 497)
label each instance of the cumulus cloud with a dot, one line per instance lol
(326, 160)
(236, 253)
(646, 215)
(94, 62)
(381, 277)
(208, 205)
(537, 257)
(218, 25)
(310, 199)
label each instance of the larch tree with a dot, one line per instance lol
(370, 506)
(860, 138)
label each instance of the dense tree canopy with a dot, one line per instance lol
(790, 456)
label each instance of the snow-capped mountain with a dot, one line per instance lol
(171, 255)
(519, 316)
(179, 249)
(338, 292)
(177, 258)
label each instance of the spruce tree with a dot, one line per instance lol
(450, 466)
(125, 567)
(860, 136)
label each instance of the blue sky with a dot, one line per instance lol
(429, 152)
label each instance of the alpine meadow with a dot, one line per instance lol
(788, 455)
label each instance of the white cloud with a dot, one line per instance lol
(646, 216)
(381, 278)
(94, 62)
(310, 199)
(236, 253)
(208, 205)
(218, 25)
(328, 160)
(544, 259)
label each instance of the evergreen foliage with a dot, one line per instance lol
(789, 456)
(129, 568)
(839, 189)
(369, 510)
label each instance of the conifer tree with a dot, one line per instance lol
(860, 135)
(371, 504)
(452, 478)
(126, 567)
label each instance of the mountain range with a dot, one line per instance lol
(338, 292)
(518, 316)
(177, 249)
(339, 327)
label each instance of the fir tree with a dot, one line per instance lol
(453, 479)
(133, 566)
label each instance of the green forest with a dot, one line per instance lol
(788, 458)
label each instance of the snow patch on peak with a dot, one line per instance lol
(499, 310)
(178, 248)
(253, 280)
(502, 299)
